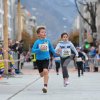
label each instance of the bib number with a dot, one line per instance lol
(79, 59)
(66, 52)
(45, 46)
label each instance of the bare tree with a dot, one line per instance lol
(91, 8)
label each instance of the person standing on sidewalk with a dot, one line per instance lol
(2, 65)
(64, 49)
(42, 47)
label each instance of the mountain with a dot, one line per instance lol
(57, 15)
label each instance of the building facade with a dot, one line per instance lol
(98, 21)
(11, 6)
(27, 21)
(83, 27)
(31, 22)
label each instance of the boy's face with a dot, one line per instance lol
(65, 37)
(42, 33)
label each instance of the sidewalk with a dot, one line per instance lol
(13, 85)
(27, 87)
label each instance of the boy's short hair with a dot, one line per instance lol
(64, 34)
(39, 28)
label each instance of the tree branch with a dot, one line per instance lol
(81, 14)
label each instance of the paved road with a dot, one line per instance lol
(27, 87)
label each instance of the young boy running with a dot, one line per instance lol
(64, 49)
(42, 48)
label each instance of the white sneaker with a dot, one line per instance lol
(44, 89)
(66, 83)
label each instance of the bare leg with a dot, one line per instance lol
(45, 74)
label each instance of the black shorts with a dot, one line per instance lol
(42, 64)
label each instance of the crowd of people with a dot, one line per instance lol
(43, 54)
(16, 57)
(62, 55)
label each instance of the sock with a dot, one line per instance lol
(45, 85)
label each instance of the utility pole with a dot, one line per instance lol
(6, 35)
(19, 35)
(81, 29)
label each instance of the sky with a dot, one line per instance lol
(72, 1)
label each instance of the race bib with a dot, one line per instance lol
(45, 45)
(66, 52)
(79, 59)
(57, 58)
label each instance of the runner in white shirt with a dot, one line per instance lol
(64, 49)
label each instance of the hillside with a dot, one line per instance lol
(52, 14)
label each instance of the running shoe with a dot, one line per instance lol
(44, 89)
(66, 83)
